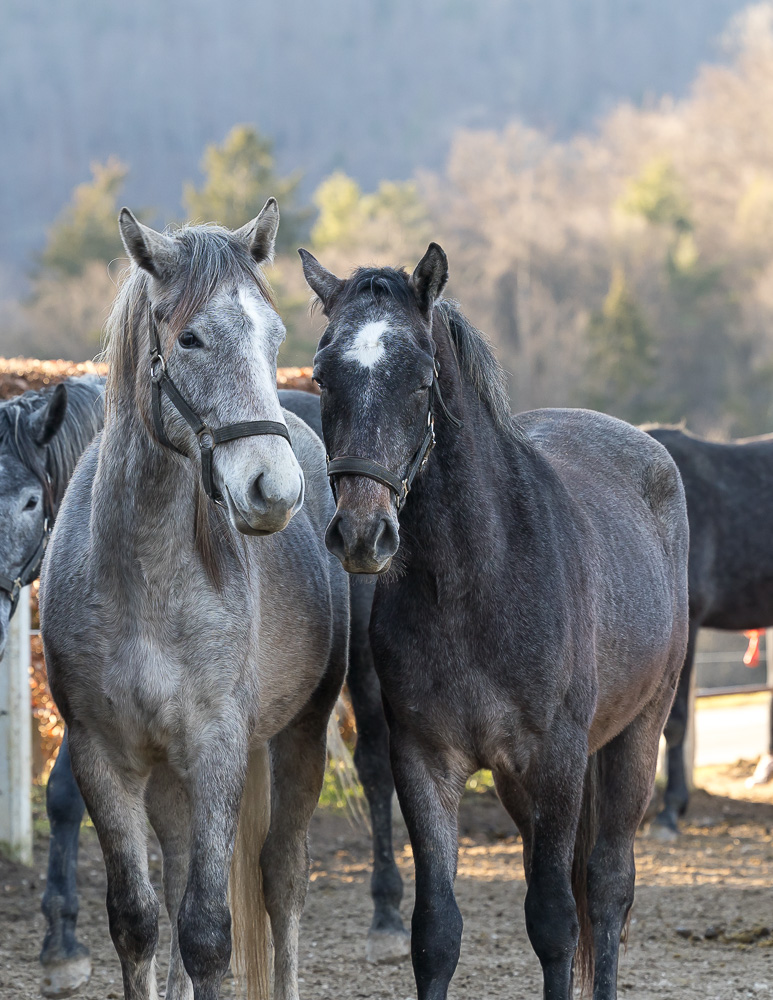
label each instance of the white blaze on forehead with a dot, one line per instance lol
(366, 347)
(253, 310)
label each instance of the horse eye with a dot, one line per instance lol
(31, 504)
(188, 339)
(317, 381)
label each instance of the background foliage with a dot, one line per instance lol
(629, 269)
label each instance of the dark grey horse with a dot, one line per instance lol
(195, 628)
(42, 435)
(531, 617)
(729, 490)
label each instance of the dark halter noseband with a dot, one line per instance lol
(401, 487)
(31, 569)
(208, 437)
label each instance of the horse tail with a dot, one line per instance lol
(250, 932)
(587, 832)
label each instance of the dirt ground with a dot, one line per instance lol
(702, 924)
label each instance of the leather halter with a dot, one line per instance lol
(351, 465)
(31, 569)
(208, 437)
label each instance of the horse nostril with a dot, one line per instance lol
(256, 494)
(387, 540)
(334, 539)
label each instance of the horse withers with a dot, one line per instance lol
(195, 628)
(530, 616)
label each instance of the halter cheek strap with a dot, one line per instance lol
(208, 437)
(30, 570)
(353, 466)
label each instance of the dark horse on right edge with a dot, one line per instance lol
(534, 620)
(729, 490)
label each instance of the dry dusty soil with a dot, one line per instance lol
(702, 925)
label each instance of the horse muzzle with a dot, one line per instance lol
(363, 547)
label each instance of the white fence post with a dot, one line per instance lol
(16, 738)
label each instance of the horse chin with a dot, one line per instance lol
(357, 566)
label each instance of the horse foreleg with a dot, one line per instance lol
(429, 790)
(555, 791)
(676, 795)
(66, 963)
(215, 782)
(169, 811)
(626, 774)
(115, 804)
(388, 940)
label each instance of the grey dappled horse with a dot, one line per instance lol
(196, 648)
(531, 617)
(729, 490)
(43, 433)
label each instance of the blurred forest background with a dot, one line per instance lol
(624, 263)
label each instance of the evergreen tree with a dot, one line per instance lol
(86, 230)
(240, 175)
(622, 354)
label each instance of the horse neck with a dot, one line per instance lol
(453, 518)
(144, 506)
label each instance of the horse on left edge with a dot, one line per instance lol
(42, 435)
(196, 667)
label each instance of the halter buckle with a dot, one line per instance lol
(157, 366)
(206, 439)
(403, 495)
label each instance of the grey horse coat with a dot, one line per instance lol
(195, 664)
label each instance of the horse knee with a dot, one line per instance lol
(610, 887)
(204, 935)
(133, 918)
(552, 924)
(436, 939)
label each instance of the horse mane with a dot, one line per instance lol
(209, 257)
(83, 419)
(477, 363)
(474, 354)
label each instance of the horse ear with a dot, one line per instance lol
(321, 281)
(430, 276)
(152, 251)
(46, 421)
(260, 234)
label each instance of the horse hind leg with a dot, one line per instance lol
(665, 825)
(115, 804)
(388, 939)
(169, 810)
(626, 772)
(65, 961)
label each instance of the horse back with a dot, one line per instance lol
(729, 490)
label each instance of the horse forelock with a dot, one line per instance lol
(209, 258)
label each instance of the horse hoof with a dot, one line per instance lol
(662, 833)
(388, 947)
(62, 979)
